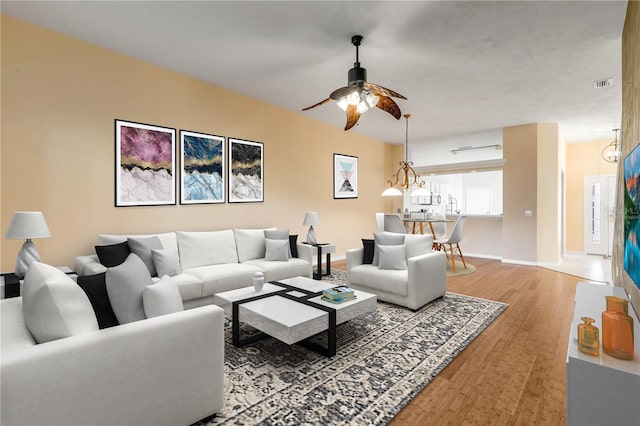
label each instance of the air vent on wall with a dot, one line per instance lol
(600, 84)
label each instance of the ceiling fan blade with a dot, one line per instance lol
(387, 104)
(318, 104)
(352, 117)
(341, 92)
(379, 90)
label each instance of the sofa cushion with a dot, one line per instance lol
(161, 298)
(168, 239)
(14, 333)
(293, 244)
(206, 248)
(278, 234)
(274, 271)
(371, 278)
(95, 287)
(113, 254)
(166, 262)
(392, 257)
(277, 250)
(417, 244)
(142, 248)
(189, 286)
(54, 307)
(386, 239)
(249, 243)
(367, 254)
(223, 277)
(125, 284)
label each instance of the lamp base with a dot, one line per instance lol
(28, 254)
(311, 236)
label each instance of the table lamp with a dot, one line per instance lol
(311, 219)
(27, 225)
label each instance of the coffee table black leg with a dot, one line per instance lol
(330, 350)
(235, 329)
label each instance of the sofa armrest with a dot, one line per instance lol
(354, 257)
(306, 252)
(166, 370)
(88, 265)
(427, 278)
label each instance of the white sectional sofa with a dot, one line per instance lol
(167, 370)
(213, 261)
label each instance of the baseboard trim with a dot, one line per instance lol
(482, 256)
(520, 262)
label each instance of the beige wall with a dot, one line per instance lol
(60, 97)
(631, 135)
(583, 159)
(519, 233)
(548, 219)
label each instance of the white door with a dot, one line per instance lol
(599, 210)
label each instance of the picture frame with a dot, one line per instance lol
(145, 163)
(246, 171)
(202, 168)
(345, 176)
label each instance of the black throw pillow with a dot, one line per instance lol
(368, 245)
(113, 254)
(293, 243)
(96, 289)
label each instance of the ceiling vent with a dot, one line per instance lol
(601, 84)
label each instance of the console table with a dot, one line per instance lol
(601, 390)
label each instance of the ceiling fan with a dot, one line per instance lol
(359, 95)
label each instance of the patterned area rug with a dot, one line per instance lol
(384, 359)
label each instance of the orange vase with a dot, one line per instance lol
(588, 337)
(617, 329)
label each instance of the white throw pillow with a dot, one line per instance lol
(54, 306)
(386, 239)
(277, 250)
(206, 248)
(279, 234)
(162, 298)
(417, 244)
(166, 262)
(125, 284)
(142, 247)
(250, 244)
(392, 257)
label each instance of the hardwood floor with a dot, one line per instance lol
(514, 372)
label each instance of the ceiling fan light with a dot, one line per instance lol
(362, 107)
(392, 192)
(372, 100)
(343, 103)
(353, 98)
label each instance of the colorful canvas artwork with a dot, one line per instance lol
(246, 168)
(202, 168)
(631, 215)
(345, 176)
(145, 164)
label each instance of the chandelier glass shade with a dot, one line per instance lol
(611, 152)
(361, 98)
(405, 177)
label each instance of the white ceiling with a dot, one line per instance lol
(467, 68)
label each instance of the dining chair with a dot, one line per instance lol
(393, 223)
(453, 240)
(439, 228)
(380, 221)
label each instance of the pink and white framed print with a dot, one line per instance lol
(246, 171)
(345, 176)
(202, 171)
(145, 164)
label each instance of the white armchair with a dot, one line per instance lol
(424, 280)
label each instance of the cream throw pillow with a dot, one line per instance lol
(125, 284)
(162, 298)
(54, 306)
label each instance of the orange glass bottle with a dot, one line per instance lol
(588, 337)
(617, 329)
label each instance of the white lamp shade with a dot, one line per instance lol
(27, 225)
(420, 192)
(392, 192)
(311, 219)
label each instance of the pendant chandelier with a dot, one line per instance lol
(611, 152)
(405, 177)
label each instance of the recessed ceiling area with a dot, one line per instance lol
(468, 69)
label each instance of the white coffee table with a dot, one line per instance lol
(292, 310)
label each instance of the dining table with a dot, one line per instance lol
(421, 222)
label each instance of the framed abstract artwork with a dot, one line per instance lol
(145, 164)
(246, 171)
(345, 176)
(202, 171)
